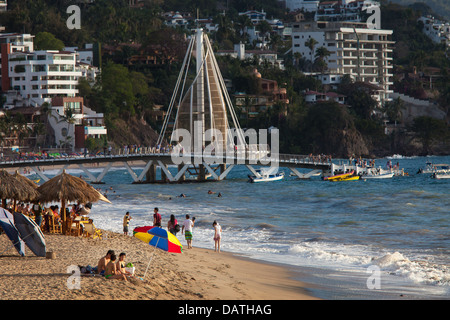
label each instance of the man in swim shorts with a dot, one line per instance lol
(187, 227)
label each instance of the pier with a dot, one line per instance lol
(203, 168)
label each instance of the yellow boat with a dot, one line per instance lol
(352, 178)
(339, 177)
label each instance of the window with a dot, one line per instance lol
(39, 68)
(19, 69)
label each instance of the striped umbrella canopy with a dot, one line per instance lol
(158, 238)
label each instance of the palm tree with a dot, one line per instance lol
(69, 117)
(393, 109)
(297, 57)
(311, 43)
(321, 54)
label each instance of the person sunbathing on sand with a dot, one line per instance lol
(111, 271)
(101, 267)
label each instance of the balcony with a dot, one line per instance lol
(95, 130)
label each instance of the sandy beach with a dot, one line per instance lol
(196, 274)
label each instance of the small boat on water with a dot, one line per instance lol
(351, 178)
(378, 175)
(441, 175)
(340, 177)
(265, 176)
(435, 168)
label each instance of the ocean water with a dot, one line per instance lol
(374, 239)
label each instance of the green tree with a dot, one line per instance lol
(393, 109)
(321, 54)
(47, 41)
(429, 130)
(323, 127)
(311, 43)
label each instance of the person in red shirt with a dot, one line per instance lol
(156, 218)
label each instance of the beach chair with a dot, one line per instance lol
(75, 228)
(55, 227)
(91, 231)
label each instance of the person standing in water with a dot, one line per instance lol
(217, 235)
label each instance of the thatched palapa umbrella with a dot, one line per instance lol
(65, 187)
(24, 179)
(16, 189)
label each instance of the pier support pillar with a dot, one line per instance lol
(201, 173)
(150, 176)
(181, 170)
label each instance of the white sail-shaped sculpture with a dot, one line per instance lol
(205, 103)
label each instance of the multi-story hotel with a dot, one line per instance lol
(30, 78)
(41, 75)
(364, 54)
(306, 5)
(9, 43)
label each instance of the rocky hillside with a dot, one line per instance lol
(131, 131)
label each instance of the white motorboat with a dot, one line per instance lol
(441, 175)
(378, 176)
(265, 176)
(377, 173)
(435, 168)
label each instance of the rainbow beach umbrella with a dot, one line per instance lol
(158, 238)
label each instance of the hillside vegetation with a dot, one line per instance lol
(128, 92)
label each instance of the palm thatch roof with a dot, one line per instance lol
(24, 179)
(12, 188)
(67, 187)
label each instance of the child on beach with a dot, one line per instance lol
(121, 265)
(217, 236)
(112, 272)
(156, 218)
(126, 223)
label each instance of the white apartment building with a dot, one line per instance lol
(18, 41)
(364, 54)
(306, 5)
(437, 31)
(42, 75)
(344, 10)
(13, 42)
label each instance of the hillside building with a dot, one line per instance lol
(437, 31)
(41, 75)
(364, 54)
(306, 5)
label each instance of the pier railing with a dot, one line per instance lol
(119, 154)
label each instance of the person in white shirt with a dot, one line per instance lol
(187, 227)
(217, 235)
